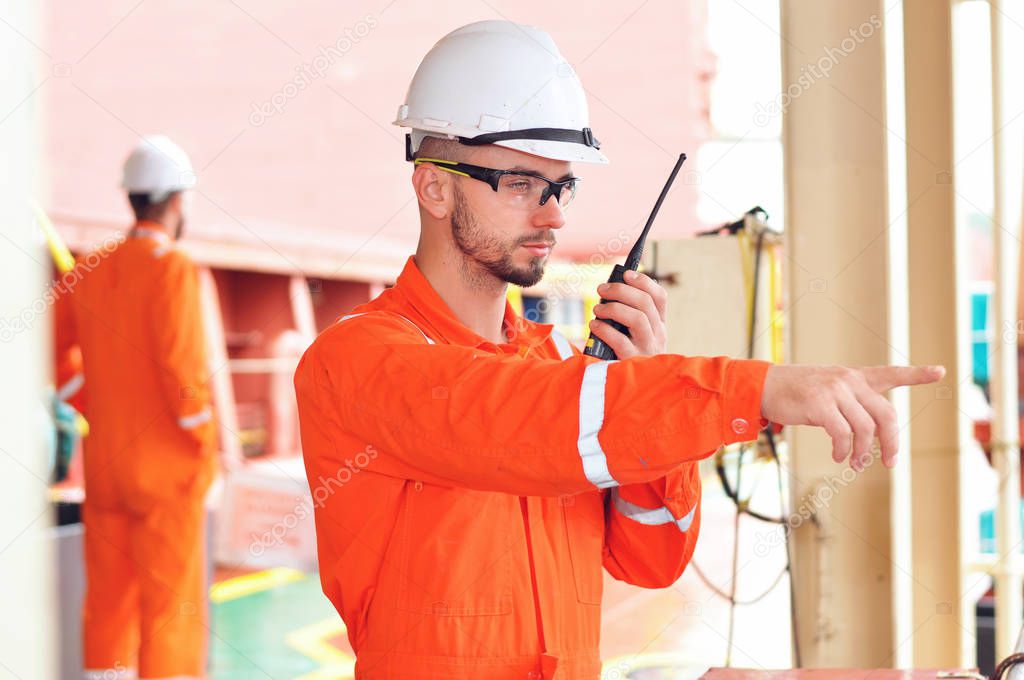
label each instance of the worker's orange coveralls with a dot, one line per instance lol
(69, 377)
(467, 494)
(149, 461)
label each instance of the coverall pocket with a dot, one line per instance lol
(584, 529)
(456, 551)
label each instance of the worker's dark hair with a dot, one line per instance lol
(448, 149)
(146, 209)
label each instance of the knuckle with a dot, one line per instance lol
(613, 291)
(853, 375)
(840, 432)
(611, 310)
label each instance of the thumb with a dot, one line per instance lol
(884, 378)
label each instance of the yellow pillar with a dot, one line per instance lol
(844, 302)
(939, 427)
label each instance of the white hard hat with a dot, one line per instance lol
(157, 166)
(498, 82)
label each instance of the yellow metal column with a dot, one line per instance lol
(938, 335)
(840, 235)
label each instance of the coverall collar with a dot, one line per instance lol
(146, 228)
(414, 286)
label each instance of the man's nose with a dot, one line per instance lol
(549, 215)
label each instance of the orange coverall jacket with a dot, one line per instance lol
(467, 494)
(139, 327)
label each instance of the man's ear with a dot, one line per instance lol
(433, 189)
(176, 201)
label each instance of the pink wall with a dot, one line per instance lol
(326, 174)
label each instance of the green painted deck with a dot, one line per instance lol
(276, 625)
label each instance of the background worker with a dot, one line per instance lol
(150, 458)
(509, 468)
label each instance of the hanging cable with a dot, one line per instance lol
(743, 505)
(725, 596)
(1006, 664)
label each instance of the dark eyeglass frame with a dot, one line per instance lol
(493, 176)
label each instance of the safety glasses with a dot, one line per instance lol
(516, 188)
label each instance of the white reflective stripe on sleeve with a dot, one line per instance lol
(195, 420)
(562, 344)
(71, 387)
(425, 336)
(595, 463)
(650, 517)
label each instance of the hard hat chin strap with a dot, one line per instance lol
(585, 137)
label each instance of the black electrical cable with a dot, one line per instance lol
(735, 565)
(743, 507)
(725, 596)
(1006, 664)
(789, 554)
(734, 493)
(739, 458)
(753, 302)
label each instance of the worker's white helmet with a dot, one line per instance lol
(157, 166)
(498, 82)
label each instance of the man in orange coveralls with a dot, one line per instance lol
(472, 473)
(150, 457)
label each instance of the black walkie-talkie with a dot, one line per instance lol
(595, 346)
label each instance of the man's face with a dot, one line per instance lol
(512, 243)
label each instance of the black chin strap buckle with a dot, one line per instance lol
(589, 139)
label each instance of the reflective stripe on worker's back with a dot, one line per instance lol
(595, 463)
(562, 344)
(425, 336)
(650, 517)
(194, 420)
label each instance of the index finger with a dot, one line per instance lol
(884, 378)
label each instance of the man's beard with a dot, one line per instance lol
(488, 251)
